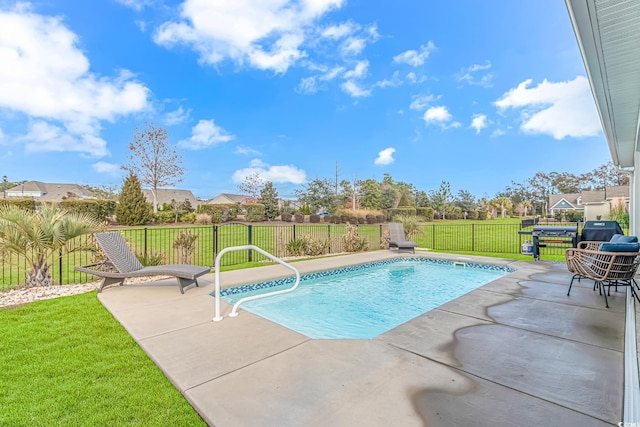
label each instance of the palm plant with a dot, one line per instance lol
(39, 236)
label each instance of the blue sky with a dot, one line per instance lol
(477, 93)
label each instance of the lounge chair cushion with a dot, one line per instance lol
(619, 247)
(621, 238)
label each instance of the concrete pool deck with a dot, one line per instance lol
(516, 352)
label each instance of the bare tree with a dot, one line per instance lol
(252, 185)
(153, 160)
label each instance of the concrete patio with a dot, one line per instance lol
(515, 352)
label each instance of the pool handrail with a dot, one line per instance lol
(234, 312)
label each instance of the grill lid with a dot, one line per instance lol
(568, 231)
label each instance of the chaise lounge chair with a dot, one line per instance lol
(397, 238)
(121, 263)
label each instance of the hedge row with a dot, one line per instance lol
(26, 204)
(101, 209)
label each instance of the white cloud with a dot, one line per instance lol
(275, 174)
(473, 76)
(558, 109)
(339, 31)
(204, 135)
(479, 122)
(267, 35)
(439, 116)
(136, 5)
(413, 78)
(108, 168)
(359, 71)
(385, 156)
(333, 73)
(176, 117)
(354, 90)
(420, 102)
(497, 132)
(395, 81)
(246, 151)
(45, 76)
(415, 58)
(1, 134)
(353, 46)
(307, 85)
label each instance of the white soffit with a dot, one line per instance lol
(608, 33)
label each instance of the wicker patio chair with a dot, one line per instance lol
(606, 269)
(397, 238)
(121, 264)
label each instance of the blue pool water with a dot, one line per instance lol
(366, 300)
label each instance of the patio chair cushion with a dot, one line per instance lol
(621, 238)
(619, 247)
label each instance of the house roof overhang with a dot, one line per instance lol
(608, 35)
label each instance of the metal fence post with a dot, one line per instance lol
(473, 237)
(215, 244)
(60, 266)
(433, 236)
(329, 236)
(294, 232)
(249, 239)
(145, 241)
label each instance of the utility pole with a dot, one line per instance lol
(4, 186)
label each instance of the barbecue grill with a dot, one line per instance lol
(545, 236)
(600, 231)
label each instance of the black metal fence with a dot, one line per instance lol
(159, 241)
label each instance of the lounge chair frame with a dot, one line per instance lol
(398, 239)
(606, 269)
(121, 264)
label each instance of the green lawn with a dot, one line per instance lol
(67, 361)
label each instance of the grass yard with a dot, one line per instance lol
(67, 361)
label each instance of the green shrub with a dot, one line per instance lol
(255, 212)
(296, 247)
(426, 213)
(360, 220)
(151, 258)
(482, 215)
(326, 218)
(370, 219)
(313, 218)
(299, 217)
(472, 215)
(188, 218)
(164, 217)
(353, 220)
(305, 210)
(220, 212)
(24, 204)
(574, 216)
(411, 226)
(343, 219)
(408, 210)
(100, 209)
(285, 216)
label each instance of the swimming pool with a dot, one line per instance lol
(366, 300)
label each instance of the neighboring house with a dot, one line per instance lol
(47, 192)
(165, 195)
(594, 204)
(227, 199)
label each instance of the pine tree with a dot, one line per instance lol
(269, 198)
(132, 208)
